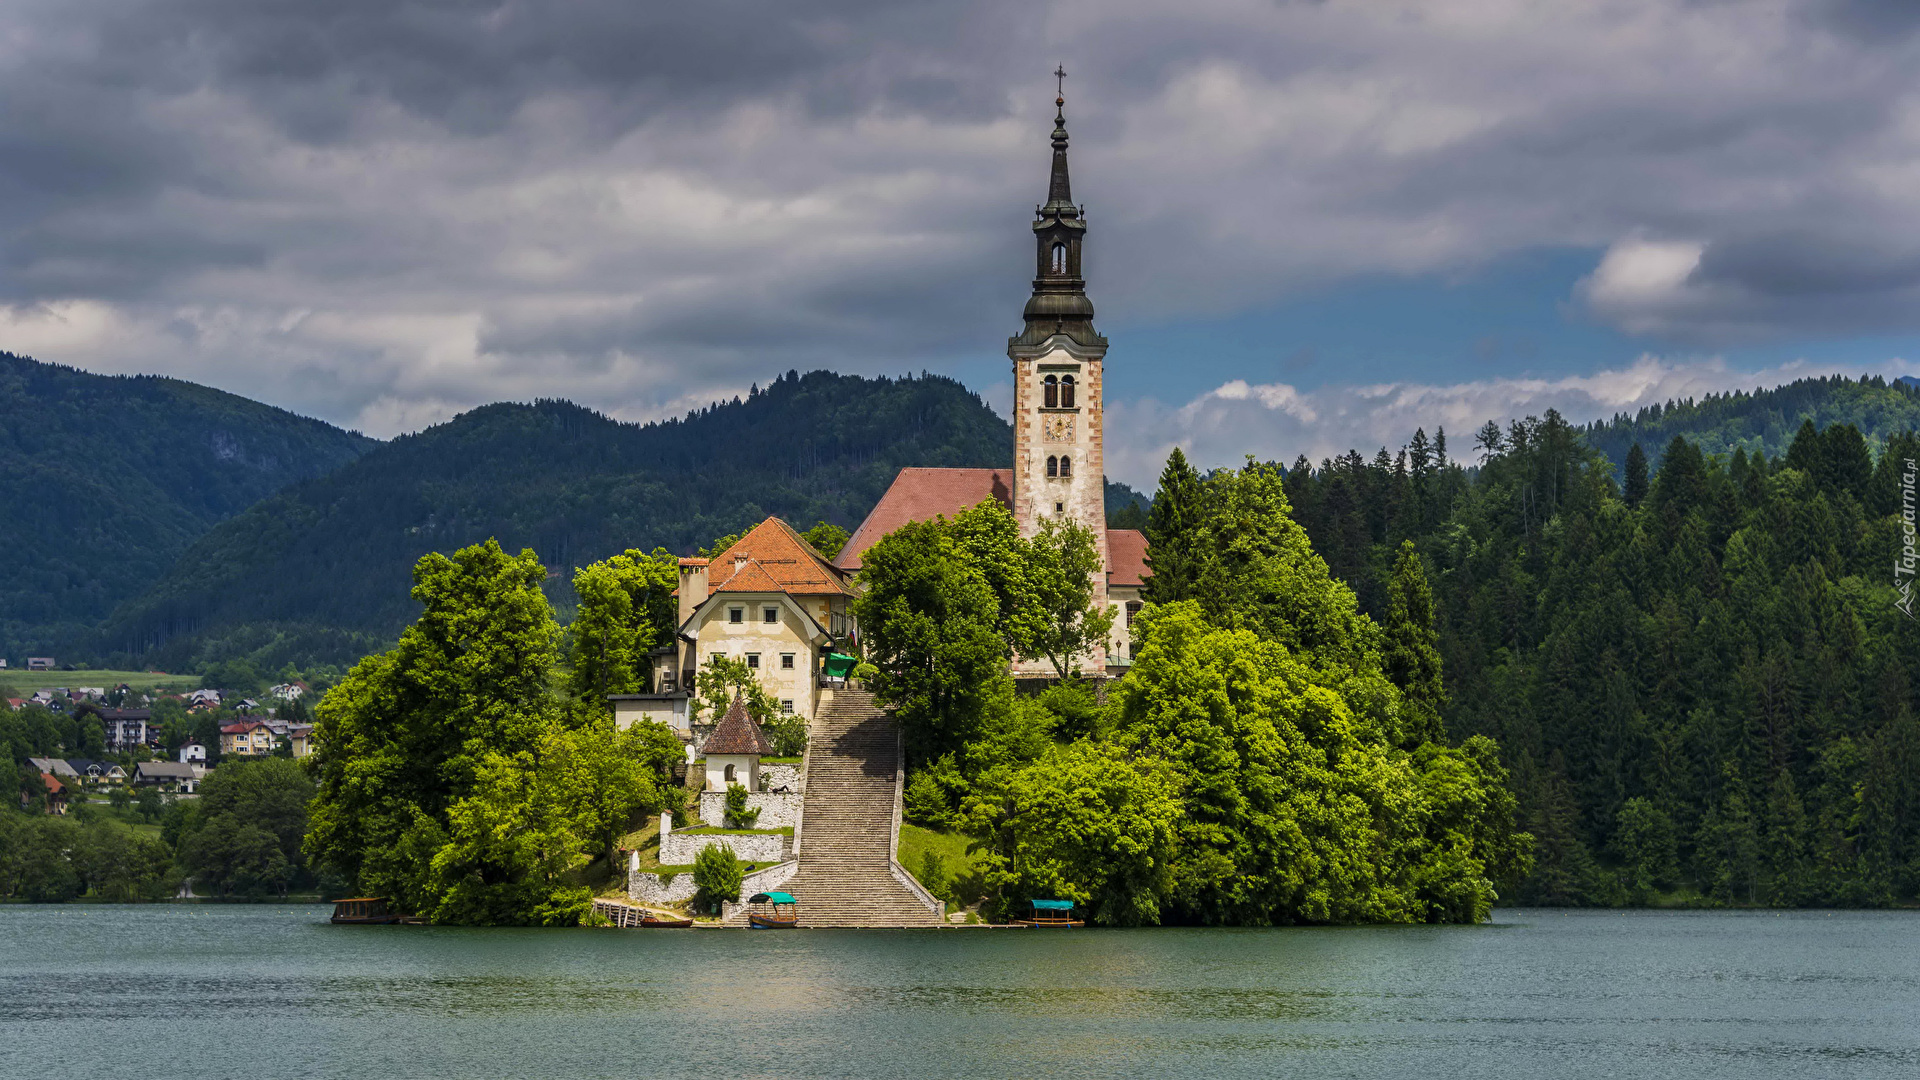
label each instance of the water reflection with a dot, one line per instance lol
(276, 991)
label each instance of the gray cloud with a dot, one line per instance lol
(384, 212)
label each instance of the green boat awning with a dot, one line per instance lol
(772, 898)
(839, 665)
(1053, 905)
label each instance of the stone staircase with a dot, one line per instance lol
(846, 875)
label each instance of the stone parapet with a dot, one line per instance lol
(682, 848)
(649, 888)
(776, 811)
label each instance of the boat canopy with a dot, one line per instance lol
(1053, 905)
(840, 665)
(772, 898)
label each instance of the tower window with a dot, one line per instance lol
(1066, 466)
(1053, 466)
(1066, 391)
(1051, 396)
(1059, 258)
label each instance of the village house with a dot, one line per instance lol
(97, 772)
(300, 739)
(127, 728)
(167, 776)
(771, 602)
(248, 738)
(56, 795)
(193, 753)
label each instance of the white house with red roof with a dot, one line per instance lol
(769, 601)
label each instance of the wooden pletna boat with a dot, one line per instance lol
(1053, 913)
(773, 911)
(367, 910)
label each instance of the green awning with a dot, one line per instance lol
(772, 898)
(1053, 905)
(840, 665)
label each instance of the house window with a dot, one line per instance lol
(770, 614)
(753, 660)
(786, 661)
(1066, 391)
(1050, 397)
(1066, 465)
(1053, 467)
(729, 774)
(1059, 508)
(736, 614)
(717, 657)
(786, 706)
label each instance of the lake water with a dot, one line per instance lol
(275, 991)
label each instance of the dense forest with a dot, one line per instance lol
(318, 573)
(1695, 671)
(1763, 421)
(108, 479)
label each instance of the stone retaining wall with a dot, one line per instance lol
(647, 888)
(776, 811)
(681, 848)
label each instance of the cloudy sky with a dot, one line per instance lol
(1314, 225)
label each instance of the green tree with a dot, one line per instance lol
(826, 538)
(1063, 624)
(409, 735)
(1088, 823)
(1636, 482)
(1645, 842)
(1412, 654)
(722, 679)
(1175, 549)
(716, 877)
(626, 610)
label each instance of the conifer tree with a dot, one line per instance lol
(1175, 550)
(1636, 485)
(1412, 654)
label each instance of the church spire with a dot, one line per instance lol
(1059, 304)
(1059, 191)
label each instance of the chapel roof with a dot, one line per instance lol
(737, 734)
(1127, 557)
(773, 558)
(922, 495)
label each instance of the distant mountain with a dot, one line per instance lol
(106, 480)
(320, 571)
(1764, 421)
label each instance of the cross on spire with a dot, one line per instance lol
(1060, 83)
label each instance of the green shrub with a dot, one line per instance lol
(716, 877)
(932, 873)
(738, 816)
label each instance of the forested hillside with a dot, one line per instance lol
(1697, 676)
(319, 572)
(1764, 421)
(107, 479)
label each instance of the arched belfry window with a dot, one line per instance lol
(1059, 258)
(1050, 399)
(730, 773)
(1066, 466)
(1053, 466)
(1066, 391)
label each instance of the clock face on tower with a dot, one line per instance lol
(1058, 429)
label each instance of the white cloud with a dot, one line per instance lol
(1278, 422)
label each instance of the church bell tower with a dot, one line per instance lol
(1058, 457)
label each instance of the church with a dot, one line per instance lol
(774, 604)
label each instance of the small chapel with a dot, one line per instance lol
(773, 603)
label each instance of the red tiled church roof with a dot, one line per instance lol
(922, 495)
(1127, 557)
(773, 558)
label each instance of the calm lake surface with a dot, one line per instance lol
(274, 991)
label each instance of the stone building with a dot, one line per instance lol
(1059, 463)
(769, 601)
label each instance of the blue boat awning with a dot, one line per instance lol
(1053, 905)
(771, 898)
